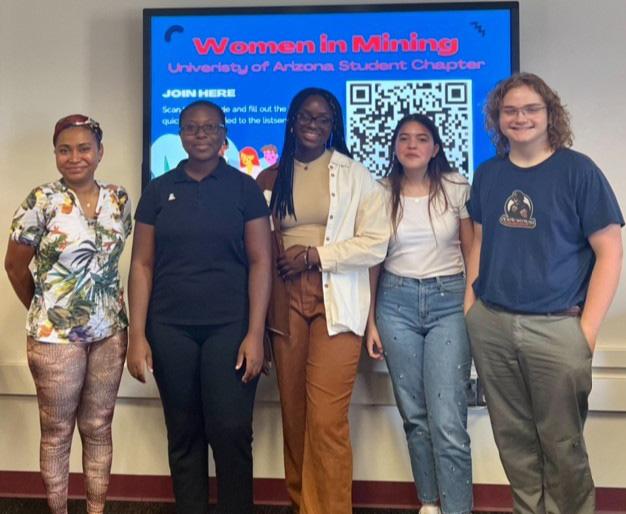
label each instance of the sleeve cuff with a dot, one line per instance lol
(327, 261)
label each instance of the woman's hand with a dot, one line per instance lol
(250, 351)
(373, 342)
(292, 261)
(139, 357)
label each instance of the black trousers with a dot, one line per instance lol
(205, 403)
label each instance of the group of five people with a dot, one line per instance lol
(339, 258)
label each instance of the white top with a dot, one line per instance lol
(357, 233)
(424, 246)
(356, 236)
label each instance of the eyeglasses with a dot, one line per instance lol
(304, 118)
(209, 129)
(527, 110)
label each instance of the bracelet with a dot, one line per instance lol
(307, 261)
(317, 267)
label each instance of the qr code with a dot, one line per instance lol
(374, 107)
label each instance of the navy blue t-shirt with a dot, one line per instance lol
(200, 267)
(535, 256)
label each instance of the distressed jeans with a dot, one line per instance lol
(422, 328)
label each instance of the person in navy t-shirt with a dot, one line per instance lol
(542, 272)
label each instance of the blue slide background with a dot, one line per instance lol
(484, 35)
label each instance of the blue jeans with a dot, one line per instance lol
(423, 332)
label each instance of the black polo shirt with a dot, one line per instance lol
(200, 267)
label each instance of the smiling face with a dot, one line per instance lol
(523, 119)
(270, 154)
(415, 147)
(312, 127)
(247, 160)
(201, 133)
(77, 155)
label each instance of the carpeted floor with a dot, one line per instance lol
(20, 506)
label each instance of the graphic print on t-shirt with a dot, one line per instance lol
(518, 211)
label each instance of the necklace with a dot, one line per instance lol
(304, 165)
(93, 195)
(89, 202)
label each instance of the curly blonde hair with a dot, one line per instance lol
(559, 130)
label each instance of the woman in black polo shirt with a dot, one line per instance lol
(199, 288)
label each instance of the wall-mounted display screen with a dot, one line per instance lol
(381, 61)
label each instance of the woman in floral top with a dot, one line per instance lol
(75, 230)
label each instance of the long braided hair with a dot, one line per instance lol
(438, 167)
(282, 196)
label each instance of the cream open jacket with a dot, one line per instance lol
(356, 238)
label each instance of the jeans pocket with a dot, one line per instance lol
(452, 284)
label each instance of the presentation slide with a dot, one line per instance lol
(439, 60)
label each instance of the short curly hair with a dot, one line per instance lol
(559, 130)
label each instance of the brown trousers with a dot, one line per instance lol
(316, 373)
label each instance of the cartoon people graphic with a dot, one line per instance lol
(249, 161)
(224, 148)
(270, 154)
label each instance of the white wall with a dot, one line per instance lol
(86, 56)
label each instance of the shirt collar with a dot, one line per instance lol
(66, 188)
(181, 176)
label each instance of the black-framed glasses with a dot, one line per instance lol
(209, 129)
(323, 120)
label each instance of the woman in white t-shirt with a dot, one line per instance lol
(416, 318)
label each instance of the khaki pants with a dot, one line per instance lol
(316, 374)
(536, 371)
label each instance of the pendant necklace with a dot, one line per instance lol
(88, 203)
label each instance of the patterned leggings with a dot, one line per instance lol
(76, 384)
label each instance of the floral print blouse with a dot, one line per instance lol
(78, 295)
